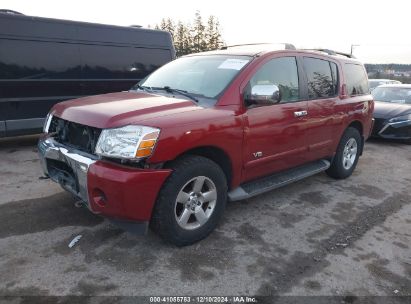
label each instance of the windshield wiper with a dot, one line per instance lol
(167, 89)
(140, 87)
(172, 90)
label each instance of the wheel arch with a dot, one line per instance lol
(216, 154)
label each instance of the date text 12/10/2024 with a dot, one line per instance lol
(203, 299)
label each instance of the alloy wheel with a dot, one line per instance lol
(195, 203)
(350, 153)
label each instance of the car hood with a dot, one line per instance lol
(387, 110)
(119, 109)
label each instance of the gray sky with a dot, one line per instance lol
(380, 28)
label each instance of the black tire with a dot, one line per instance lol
(337, 169)
(164, 221)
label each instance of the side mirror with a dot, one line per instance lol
(265, 94)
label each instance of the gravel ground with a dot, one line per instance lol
(316, 237)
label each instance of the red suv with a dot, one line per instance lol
(208, 127)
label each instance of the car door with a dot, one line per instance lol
(325, 112)
(275, 134)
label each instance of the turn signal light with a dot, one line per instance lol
(144, 152)
(146, 146)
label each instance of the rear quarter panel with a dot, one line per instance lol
(358, 109)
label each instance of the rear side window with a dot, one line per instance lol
(357, 83)
(322, 78)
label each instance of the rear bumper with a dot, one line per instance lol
(123, 194)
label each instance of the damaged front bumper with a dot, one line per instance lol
(125, 195)
(67, 167)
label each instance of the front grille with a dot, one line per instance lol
(78, 136)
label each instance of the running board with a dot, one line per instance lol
(277, 180)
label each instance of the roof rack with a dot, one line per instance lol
(287, 46)
(331, 52)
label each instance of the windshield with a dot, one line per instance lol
(394, 95)
(375, 83)
(205, 76)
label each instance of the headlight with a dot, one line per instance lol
(129, 142)
(47, 122)
(401, 118)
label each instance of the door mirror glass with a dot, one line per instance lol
(265, 94)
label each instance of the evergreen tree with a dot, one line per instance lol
(213, 35)
(182, 40)
(170, 27)
(198, 34)
(166, 25)
(193, 38)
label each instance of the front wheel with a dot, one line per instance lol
(347, 154)
(191, 201)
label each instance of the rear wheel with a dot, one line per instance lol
(191, 202)
(347, 154)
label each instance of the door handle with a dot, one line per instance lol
(300, 113)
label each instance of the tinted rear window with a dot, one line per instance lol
(321, 78)
(356, 79)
